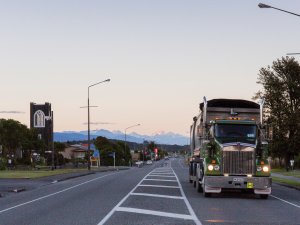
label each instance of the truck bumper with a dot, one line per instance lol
(260, 185)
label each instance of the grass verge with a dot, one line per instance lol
(294, 173)
(283, 181)
(31, 174)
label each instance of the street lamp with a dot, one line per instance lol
(125, 135)
(89, 144)
(50, 118)
(261, 5)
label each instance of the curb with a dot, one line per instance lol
(72, 176)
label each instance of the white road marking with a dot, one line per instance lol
(158, 196)
(160, 186)
(159, 176)
(161, 180)
(120, 203)
(196, 220)
(151, 212)
(155, 213)
(47, 196)
(285, 201)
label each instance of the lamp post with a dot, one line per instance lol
(50, 118)
(89, 144)
(125, 136)
(261, 5)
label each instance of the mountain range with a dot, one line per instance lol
(168, 138)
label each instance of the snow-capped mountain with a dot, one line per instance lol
(159, 138)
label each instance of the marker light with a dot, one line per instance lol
(216, 167)
(210, 167)
(266, 169)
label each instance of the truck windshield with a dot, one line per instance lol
(237, 132)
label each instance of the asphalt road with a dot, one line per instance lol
(155, 194)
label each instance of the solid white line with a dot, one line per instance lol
(47, 196)
(196, 220)
(285, 201)
(159, 176)
(155, 213)
(162, 180)
(158, 196)
(161, 186)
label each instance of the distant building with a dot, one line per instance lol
(41, 118)
(79, 151)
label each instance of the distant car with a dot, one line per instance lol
(139, 163)
(166, 158)
(149, 162)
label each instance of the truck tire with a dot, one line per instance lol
(198, 185)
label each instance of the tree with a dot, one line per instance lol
(12, 135)
(281, 90)
(107, 147)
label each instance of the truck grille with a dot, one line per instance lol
(238, 162)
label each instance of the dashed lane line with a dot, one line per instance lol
(155, 213)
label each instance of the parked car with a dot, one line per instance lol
(149, 162)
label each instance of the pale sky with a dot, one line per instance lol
(162, 57)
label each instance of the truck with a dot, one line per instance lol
(228, 147)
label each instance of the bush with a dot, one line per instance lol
(3, 163)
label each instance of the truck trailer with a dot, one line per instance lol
(229, 148)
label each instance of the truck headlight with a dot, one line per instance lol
(210, 167)
(266, 169)
(258, 168)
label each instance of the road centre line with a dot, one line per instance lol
(280, 199)
(162, 180)
(55, 193)
(161, 186)
(155, 213)
(157, 196)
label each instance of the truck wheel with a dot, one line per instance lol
(262, 196)
(198, 185)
